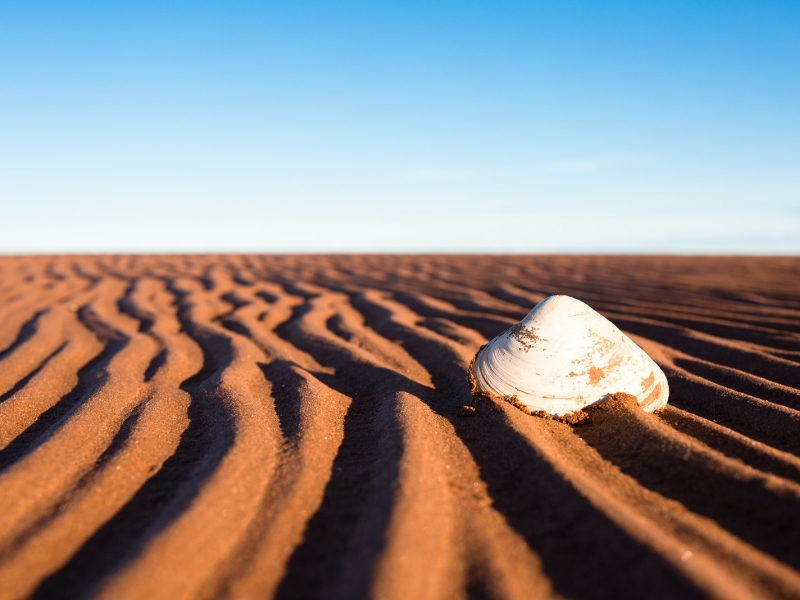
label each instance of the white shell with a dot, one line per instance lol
(564, 356)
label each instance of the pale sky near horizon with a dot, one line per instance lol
(400, 127)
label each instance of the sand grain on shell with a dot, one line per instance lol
(293, 427)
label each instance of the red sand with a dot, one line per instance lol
(283, 426)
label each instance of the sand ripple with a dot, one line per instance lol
(285, 426)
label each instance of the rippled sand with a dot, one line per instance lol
(257, 426)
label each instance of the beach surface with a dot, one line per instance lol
(292, 426)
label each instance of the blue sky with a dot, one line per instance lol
(436, 126)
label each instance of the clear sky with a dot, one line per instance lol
(400, 126)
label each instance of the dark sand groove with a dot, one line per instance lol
(27, 378)
(664, 461)
(769, 423)
(285, 426)
(358, 497)
(732, 444)
(741, 381)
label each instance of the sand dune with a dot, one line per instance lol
(286, 426)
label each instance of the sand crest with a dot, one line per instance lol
(294, 427)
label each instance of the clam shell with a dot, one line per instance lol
(564, 356)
